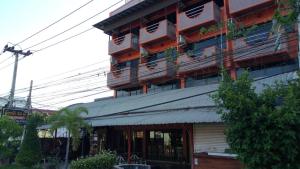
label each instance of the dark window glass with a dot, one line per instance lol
(165, 145)
(163, 87)
(196, 49)
(259, 34)
(270, 69)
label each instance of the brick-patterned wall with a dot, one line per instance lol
(215, 162)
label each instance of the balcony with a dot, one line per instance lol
(238, 7)
(126, 77)
(262, 45)
(126, 6)
(128, 42)
(159, 31)
(198, 16)
(159, 69)
(193, 62)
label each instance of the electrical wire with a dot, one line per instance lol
(6, 59)
(72, 12)
(93, 94)
(104, 72)
(52, 37)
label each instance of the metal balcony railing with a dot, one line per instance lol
(237, 7)
(122, 77)
(158, 69)
(208, 13)
(260, 45)
(125, 43)
(158, 31)
(208, 57)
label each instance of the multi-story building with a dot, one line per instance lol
(165, 61)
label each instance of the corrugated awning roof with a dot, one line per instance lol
(189, 105)
(203, 115)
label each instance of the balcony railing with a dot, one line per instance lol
(259, 45)
(123, 77)
(239, 7)
(128, 42)
(197, 61)
(198, 16)
(161, 68)
(158, 31)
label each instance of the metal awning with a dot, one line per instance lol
(203, 115)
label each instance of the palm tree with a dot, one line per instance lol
(73, 122)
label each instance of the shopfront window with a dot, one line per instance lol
(165, 145)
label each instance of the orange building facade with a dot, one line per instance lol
(161, 45)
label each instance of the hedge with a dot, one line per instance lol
(104, 160)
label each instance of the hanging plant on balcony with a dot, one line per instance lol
(171, 54)
(210, 29)
(287, 12)
(238, 30)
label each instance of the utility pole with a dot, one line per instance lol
(28, 109)
(28, 103)
(13, 85)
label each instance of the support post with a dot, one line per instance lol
(184, 142)
(145, 89)
(182, 83)
(298, 40)
(144, 144)
(129, 140)
(191, 142)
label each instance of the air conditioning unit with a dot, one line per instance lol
(143, 52)
(181, 40)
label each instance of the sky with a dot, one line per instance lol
(50, 69)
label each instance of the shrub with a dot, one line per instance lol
(30, 152)
(104, 160)
(10, 132)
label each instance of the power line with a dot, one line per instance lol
(55, 22)
(52, 37)
(56, 43)
(6, 59)
(270, 46)
(95, 93)
(171, 101)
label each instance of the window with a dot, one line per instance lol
(129, 92)
(163, 87)
(270, 69)
(259, 34)
(201, 81)
(165, 145)
(196, 49)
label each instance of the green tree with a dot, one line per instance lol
(262, 128)
(73, 122)
(30, 152)
(10, 133)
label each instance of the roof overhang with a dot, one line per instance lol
(131, 14)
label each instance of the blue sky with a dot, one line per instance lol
(21, 18)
